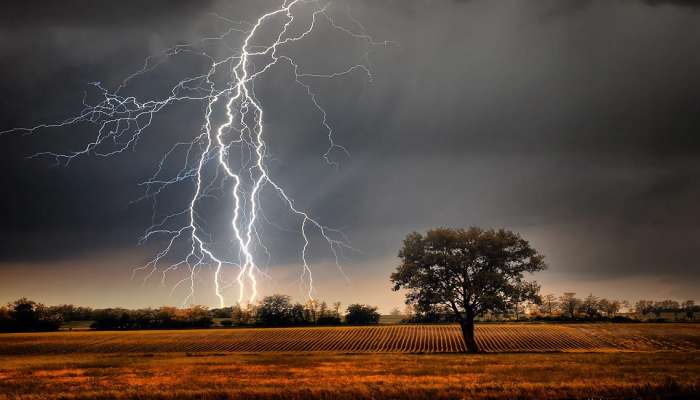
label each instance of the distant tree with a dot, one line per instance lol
(167, 316)
(609, 307)
(358, 314)
(468, 271)
(112, 318)
(298, 315)
(6, 321)
(644, 307)
(278, 310)
(336, 308)
(669, 306)
(140, 319)
(224, 312)
(329, 319)
(23, 312)
(312, 310)
(49, 320)
(522, 301)
(26, 315)
(149, 318)
(395, 312)
(531, 309)
(323, 309)
(436, 313)
(689, 308)
(197, 316)
(626, 305)
(569, 304)
(549, 304)
(241, 316)
(327, 316)
(70, 312)
(590, 306)
(274, 310)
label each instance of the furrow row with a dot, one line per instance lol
(361, 339)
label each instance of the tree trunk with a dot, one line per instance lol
(467, 326)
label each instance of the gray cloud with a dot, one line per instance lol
(678, 3)
(574, 122)
(33, 14)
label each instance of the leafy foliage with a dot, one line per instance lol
(26, 315)
(474, 269)
(358, 314)
(150, 318)
(468, 271)
(278, 310)
(569, 304)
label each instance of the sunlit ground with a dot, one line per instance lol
(343, 376)
(589, 361)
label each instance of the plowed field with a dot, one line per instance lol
(366, 339)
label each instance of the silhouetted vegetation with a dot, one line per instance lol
(70, 312)
(26, 315)
(467, 272)
(359, 314)
(150, 318)
(570, 308)
(431, 315)
(278, 310)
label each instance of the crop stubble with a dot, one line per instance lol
(367, 339)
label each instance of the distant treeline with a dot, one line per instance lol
(152, 318)
(275, 310)
(568, 307)
(279, 310)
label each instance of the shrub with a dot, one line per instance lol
(328, 320)
(27, 315)
(361, 314)
(275, 310)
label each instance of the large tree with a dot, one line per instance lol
(467, 271)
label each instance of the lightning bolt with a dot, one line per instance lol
(122, 120)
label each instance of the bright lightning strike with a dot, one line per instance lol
(123, 120)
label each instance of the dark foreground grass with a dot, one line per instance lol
(338, 376)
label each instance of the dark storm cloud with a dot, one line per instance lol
(564, 7)
(85, 13)
(679, 3)
(573, 122)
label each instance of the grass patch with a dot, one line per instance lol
(337, 376)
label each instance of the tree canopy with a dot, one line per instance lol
(468, 271)
(361, 314)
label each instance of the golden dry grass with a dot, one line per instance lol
(367, 339)
(539, 361)
(362, 376)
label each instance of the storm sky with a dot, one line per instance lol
(575, 123)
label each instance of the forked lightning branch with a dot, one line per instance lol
(231, 141)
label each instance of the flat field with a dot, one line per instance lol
(366, 339)
(536, 361)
